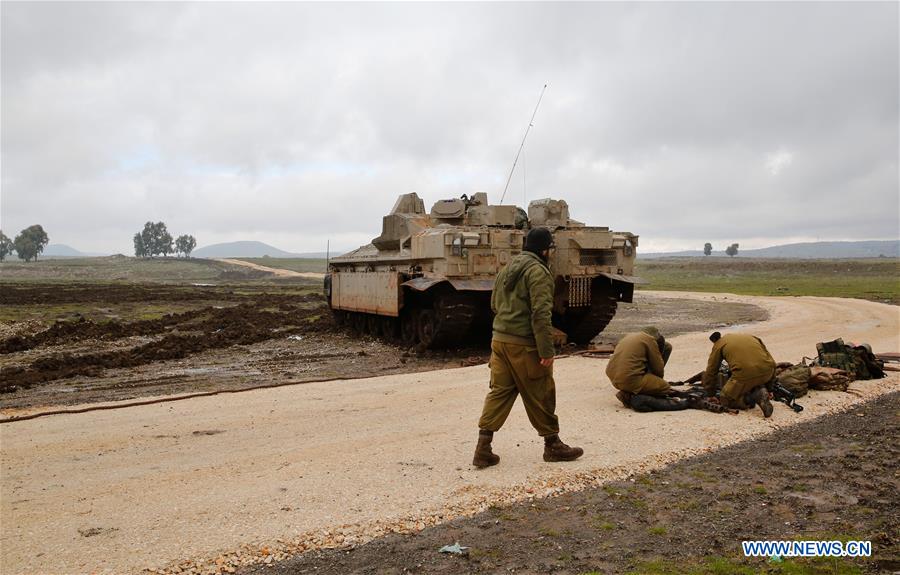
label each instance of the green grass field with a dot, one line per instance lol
(120, 269)
(293, 264)
(876, 279)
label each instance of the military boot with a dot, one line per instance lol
(760, 396)
(484, 457)
(556, 450)
(624, 397)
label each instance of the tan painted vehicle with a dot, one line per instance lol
(427, 279)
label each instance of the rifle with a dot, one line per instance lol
(779, 392)
(724, 372)
(693, 379)
(784, 395)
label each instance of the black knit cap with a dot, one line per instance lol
(538, 240)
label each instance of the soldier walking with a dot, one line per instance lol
(522, 352)
(751, 367)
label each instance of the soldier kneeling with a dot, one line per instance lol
(751, 368)
(636, 369)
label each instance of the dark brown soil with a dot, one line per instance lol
(831, 478)
(243, 324)
(232, 337)
(60, 293)
(204, 319)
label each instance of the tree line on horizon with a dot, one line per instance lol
(155, 240)
(731, 250)
(27, 245)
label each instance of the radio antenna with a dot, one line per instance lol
(522, 145)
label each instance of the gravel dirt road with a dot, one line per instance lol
(277, 272)
(834, 477)
(227, 480)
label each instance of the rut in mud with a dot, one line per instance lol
(184, 334)
(62, 293)
(204, 319)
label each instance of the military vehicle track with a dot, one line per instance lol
(447, 319)
(582, 328)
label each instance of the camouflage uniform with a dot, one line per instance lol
(750, 363)
(522, 301)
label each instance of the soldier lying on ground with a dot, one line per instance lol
(751, 366)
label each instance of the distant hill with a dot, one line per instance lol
(808, 250)
(249, 249)
(64, 251)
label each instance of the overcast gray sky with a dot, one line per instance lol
(294, 123)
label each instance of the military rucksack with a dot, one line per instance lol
(794, 378)
(857, 361)
(829, 379)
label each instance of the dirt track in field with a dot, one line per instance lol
(261, 474)
(277, 272)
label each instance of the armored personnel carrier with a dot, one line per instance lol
(427, 279)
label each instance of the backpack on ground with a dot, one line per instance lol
(858, 361)
(829, 378)
(794, 378)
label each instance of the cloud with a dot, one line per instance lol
(296, 123)
(778, 161)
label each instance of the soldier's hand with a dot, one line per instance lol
(546, 361)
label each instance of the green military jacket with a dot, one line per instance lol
(636, 355)
(747, 357)
(522, 301)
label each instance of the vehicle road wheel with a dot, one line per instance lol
(387, 329)
(408, 335)
(358, 323)
(427, 327)
(340, 317)
(372, 324)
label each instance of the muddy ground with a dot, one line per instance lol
(834, 478)
(66, 344)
